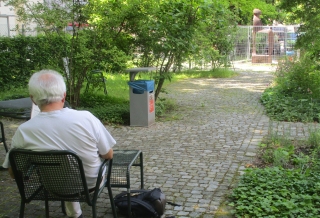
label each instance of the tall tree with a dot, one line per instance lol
(169, 36)
(244, 9)
(214, 36)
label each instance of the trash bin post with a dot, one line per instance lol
(142, 105)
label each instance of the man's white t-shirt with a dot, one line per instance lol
(66, 129)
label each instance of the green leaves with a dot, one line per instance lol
(280, 196)
(21, 56)
(290, 190)
(295, 95)
(107, 109)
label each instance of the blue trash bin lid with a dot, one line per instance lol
(142, 85)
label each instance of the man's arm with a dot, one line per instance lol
(108, 155)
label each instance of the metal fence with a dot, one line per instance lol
(269, 48)
(9, 27)
(5, 25)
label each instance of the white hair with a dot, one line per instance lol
(46, 86)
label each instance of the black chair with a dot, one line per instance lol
(3, 138)
(56, 176)
(96, 79)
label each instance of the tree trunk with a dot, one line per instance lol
(159, 87)
(165, 69)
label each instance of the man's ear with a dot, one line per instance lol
(64, 97)
(32, 99)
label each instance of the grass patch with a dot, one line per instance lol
(217, 73)
(117, 84)
(224, 211)
(114, 107)
(14, 93)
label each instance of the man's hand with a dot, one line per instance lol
(108, 155)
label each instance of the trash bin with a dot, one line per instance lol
(142, 104)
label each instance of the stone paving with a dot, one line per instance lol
(195, 157)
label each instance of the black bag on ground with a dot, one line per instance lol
(144, 203)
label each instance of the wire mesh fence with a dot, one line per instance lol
(9, 27)
(265, 46)
(5, 25)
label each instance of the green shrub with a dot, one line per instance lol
(276, 192)
(295, 97)
(107, 109)
(287, 182)
(314, 138)
(164, 106)
(22, 55)
(283, 107)
(110, 113)
(15, 93)
(276, 150)
(299, 78)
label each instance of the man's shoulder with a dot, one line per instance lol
(78, 114)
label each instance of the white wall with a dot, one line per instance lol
(7, 13)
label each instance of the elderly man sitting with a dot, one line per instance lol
(58, 128)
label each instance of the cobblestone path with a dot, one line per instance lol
(193, 158)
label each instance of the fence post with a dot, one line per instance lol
(249, 44)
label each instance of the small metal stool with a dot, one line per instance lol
(120, 175)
